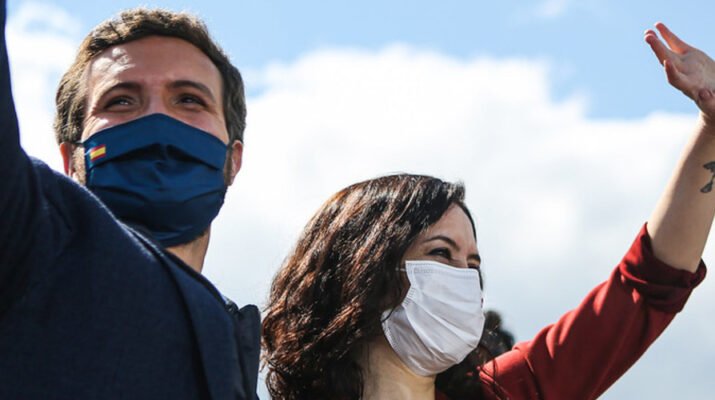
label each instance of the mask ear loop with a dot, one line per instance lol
(384, 317)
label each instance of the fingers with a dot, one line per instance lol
(687, 69)
(661, 51)
(675, 78)
(675, 43)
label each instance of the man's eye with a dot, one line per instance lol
(118, 101)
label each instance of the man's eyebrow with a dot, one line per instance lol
(193, 84)
(121, 85)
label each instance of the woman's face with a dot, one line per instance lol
(449, 241)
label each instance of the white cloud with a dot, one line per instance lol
(558, 197)
(42, 41)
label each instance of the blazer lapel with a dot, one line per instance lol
(213, 327)
(215, 338)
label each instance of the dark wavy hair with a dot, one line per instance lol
(327, 299)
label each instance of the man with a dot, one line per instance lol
(100, 291)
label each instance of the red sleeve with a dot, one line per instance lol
(590, 347)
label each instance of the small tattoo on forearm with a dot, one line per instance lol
(709, 187)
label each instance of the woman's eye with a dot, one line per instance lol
(441, 252)
(191, 99)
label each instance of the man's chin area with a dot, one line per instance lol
(194, 251)
(193, 242)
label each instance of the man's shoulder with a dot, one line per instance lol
(55, 185)
(247, 325)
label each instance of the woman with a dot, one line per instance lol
(382, 293)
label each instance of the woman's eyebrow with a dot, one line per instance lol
(442, 238)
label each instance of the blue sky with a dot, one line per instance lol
(554, 114)
(595, 46)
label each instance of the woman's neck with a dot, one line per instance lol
(387, 377)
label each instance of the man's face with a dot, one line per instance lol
(155, 74)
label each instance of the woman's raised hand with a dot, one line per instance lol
(687, 68)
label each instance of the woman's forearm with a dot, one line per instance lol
(681, 221)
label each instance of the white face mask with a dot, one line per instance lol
(440, 321)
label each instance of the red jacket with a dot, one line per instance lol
(590, 347)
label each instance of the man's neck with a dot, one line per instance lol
(387, 377)
(194, 252)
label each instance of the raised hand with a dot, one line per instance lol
(687, 68)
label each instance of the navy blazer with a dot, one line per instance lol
(91, 309)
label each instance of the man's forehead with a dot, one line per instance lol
(153, 57)
(152, 48)
(117, 53)
(113, 60)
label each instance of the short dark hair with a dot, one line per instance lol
(327, 300)
(132, 25)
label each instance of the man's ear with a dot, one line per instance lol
(73, 162)
(66, 150)
(236, 159)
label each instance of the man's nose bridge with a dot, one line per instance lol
(156, 100)
(156, 104)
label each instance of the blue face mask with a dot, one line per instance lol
(158, 173)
